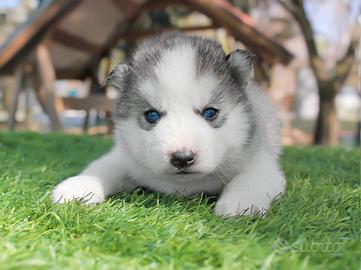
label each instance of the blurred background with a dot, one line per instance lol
(55, 55)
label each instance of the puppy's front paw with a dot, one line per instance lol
(86, 189)
(230, 207)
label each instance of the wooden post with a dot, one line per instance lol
(20, 83)
(36, 85)
(108, 114)
(28, 109)
(46, 94)
(95, 89)
(86, 122)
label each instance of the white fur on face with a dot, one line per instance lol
(176, 81)
(181, 96)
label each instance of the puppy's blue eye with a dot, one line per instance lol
(152, 116)
(210, 114)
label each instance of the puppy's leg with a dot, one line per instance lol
(103, 177)
(252, 191)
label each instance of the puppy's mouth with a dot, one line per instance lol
(186, 172)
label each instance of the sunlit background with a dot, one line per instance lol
(76, 53)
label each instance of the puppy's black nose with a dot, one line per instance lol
(182, 159)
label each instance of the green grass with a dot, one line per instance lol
(316, 225)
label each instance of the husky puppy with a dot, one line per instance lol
(188, 120)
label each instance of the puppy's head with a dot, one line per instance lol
(182, 107)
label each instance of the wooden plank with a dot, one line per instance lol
(47, 79)
(74, 42)
(157, 5)
(97, 102)
(129, 8)
(134, 12)
(126, 7)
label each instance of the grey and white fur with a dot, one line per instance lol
(180, 81)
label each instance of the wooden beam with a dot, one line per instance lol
(69, 73)
(74, 41)
(145, 33)
(97, 102)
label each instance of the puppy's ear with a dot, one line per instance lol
(118, 75)
(241, 60)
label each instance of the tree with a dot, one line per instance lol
(329, 82)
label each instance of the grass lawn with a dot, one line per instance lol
(316, 225)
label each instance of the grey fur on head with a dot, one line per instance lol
(232, 70)
(242, 61)
(118, 74)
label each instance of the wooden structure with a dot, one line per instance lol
(66, 39)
